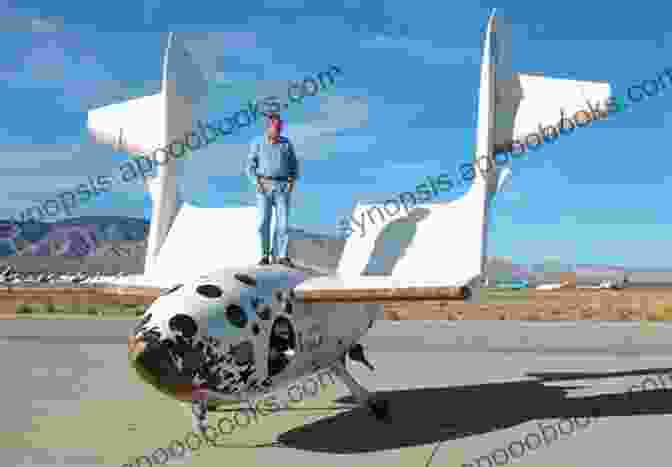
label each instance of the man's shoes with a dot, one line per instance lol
(264, 261)
(286, 262)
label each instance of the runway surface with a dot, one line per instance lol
(458, 391)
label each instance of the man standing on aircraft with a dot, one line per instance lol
(273, 167)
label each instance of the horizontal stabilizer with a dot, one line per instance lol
(530, 101)
(136, 126)
(141, 125)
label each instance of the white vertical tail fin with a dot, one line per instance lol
(143, 125)
(445, 243)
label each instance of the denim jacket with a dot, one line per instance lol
(271, 160)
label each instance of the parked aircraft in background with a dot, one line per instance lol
(515, 285)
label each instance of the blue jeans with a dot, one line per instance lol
(277, 197)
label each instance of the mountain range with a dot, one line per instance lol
(112, 237)
(118, 244)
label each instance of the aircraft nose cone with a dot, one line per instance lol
(155, 366)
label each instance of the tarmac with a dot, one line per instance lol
(457, 390)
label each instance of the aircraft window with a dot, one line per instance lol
(236, 316)
(209, 291)
(173, 289)
(246, 279)
(185, 324)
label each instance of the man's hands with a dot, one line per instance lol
(290, 185)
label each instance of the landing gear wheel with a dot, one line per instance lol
(380, 408)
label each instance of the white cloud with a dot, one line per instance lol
(84, 82)
(381, 171)
(312, 140)
(424, 49)
(150, 6)
(514, 196)
(35, 172)
(286, 4)
(215, 50)
(337, 113)
(29, 22)
(47, 24)
(406, 166)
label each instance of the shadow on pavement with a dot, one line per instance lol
(429, 415)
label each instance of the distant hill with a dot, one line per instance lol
(639, 276)
(96, 244)
(118, 244)
(33, 238)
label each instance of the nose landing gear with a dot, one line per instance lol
(378, 407)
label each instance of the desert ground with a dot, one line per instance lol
(632, 304)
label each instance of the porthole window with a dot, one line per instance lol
(236, 316)
(171, 290)
(209, 291)
(184, 324)
(246, 279)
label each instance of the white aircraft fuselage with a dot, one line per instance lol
(236, 334)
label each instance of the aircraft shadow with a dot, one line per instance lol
(429, 415)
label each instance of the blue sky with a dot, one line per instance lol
(404, 108)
